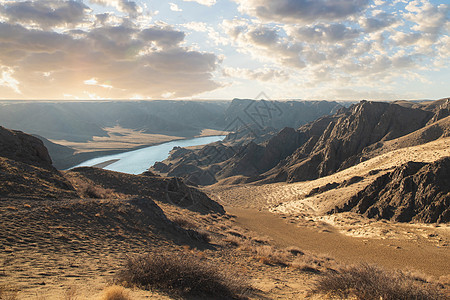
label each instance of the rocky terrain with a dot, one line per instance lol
(24, 148)
(317, 149)
(414, 191)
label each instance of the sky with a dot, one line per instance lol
(225, 49)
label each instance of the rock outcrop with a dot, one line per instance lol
(346, 135)
(412, 192)
(25, 148)
(26, 169)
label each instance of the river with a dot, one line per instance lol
(138, 161)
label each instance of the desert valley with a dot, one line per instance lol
(224, 149)
(300, 199)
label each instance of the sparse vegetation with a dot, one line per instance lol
(369, 282)
(115, 292)
(199, 235)
(184, 223)
(90, 190)
(181, 275)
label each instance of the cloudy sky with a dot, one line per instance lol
(223, 49)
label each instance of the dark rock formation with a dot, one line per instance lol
(346, 135)
(25, 148)
(412, 192)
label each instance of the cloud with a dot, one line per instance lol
(428, 18)
(101, 60)
(323, 33)
(126, 6)
(44, 14)
(174, 7)
(378, 22)
(164, 37)
(261, 74)
(302, 11)
(203, 2)
(264, 43)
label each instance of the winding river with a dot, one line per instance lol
(138, 161)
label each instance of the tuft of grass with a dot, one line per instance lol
(370, 282)
(115, 292)
(181, 275)
(87, 189)
(184, 223)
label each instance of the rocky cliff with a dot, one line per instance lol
(346, 135)
(412, 192)
(25, 148)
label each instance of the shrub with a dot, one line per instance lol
(184, 223)
(369, 282)
(181, 275)
(115, 293)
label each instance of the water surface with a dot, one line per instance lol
(138, 161)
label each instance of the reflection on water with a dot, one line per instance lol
(138, 161)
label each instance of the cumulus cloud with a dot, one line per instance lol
(264, 43)
(174, 7)
(302, 11)
(44, 13)
(345, 47)
(101, 60)
(378, 22)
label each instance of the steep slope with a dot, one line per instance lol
(411, 192)
(346, 135)
(429, 133)
(26, 168)
(22, 147)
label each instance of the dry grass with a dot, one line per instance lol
(115, 293)
(181, 275)
(199, 235)
(369, 282)
(88, 189)
(184, 223)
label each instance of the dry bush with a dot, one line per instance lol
(307, 264)
(369, 282)
(270, 256)
(115, 293)
(90, 190)
(184, 223)
(181, 275)
(233, 240)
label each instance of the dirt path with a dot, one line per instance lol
(399, 254)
